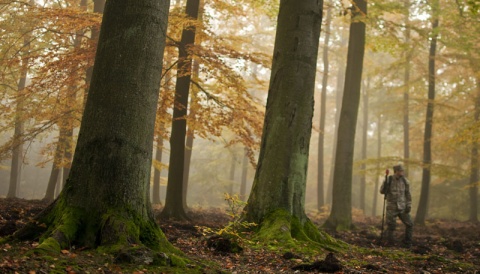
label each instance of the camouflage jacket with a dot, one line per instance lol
(398, 193)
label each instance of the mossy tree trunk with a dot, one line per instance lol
(341, 213)
(277, 199)
(106, 199)
(474, 163)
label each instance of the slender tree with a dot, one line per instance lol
(406, 94)
(422, 210)
(363, 178)
(341, 213)
(106, 199)
(174, 204)
(323, 111)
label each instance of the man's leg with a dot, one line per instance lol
(391, 224)
(407, 221)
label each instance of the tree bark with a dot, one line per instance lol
(323, 111)
(341, 214)
(277, 199)
(106, 199)
(174, 204)
(422, 211)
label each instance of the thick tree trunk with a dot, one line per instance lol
(277, 199)
(422, 211)
(106, 199)
(98, 7)
(323, 111)
(174, 204)
(341, 214)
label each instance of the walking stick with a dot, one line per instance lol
(384, 202)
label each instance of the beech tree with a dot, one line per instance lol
(341, 213)
(105, 202)
(422, 210)
(277, 199)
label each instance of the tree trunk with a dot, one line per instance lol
(17, 140)
(106, 199)
(323, 111)
(186, 169)
(174, 199)
(422, 211)
(363, 178)
(338, 104)
(232, 174)
(277, 199)
(56, 168)
(98, 7)
(243, 183)
(406, 117)
(379, 155)
(341, 214)
(157, 172)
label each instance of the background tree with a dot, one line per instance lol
(323, 110)
(427, 146)
(174, 204)
(341, 214)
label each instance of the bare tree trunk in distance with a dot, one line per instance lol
(422, 211)
(157, 172)
(406, 95)
(243, 182)
(106, 200)
(341, 214)
(363, 178)
(379, 155)
(338, 103)
(323, 111)
(17, 142)
(174, 198)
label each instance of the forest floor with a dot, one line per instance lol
(439, 247)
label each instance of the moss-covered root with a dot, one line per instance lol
(281, 228)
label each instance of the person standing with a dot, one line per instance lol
(399, 204)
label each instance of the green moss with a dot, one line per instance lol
(283, 232)
(49, 245)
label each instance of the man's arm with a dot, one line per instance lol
(385, 185)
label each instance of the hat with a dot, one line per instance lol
(398, 168)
